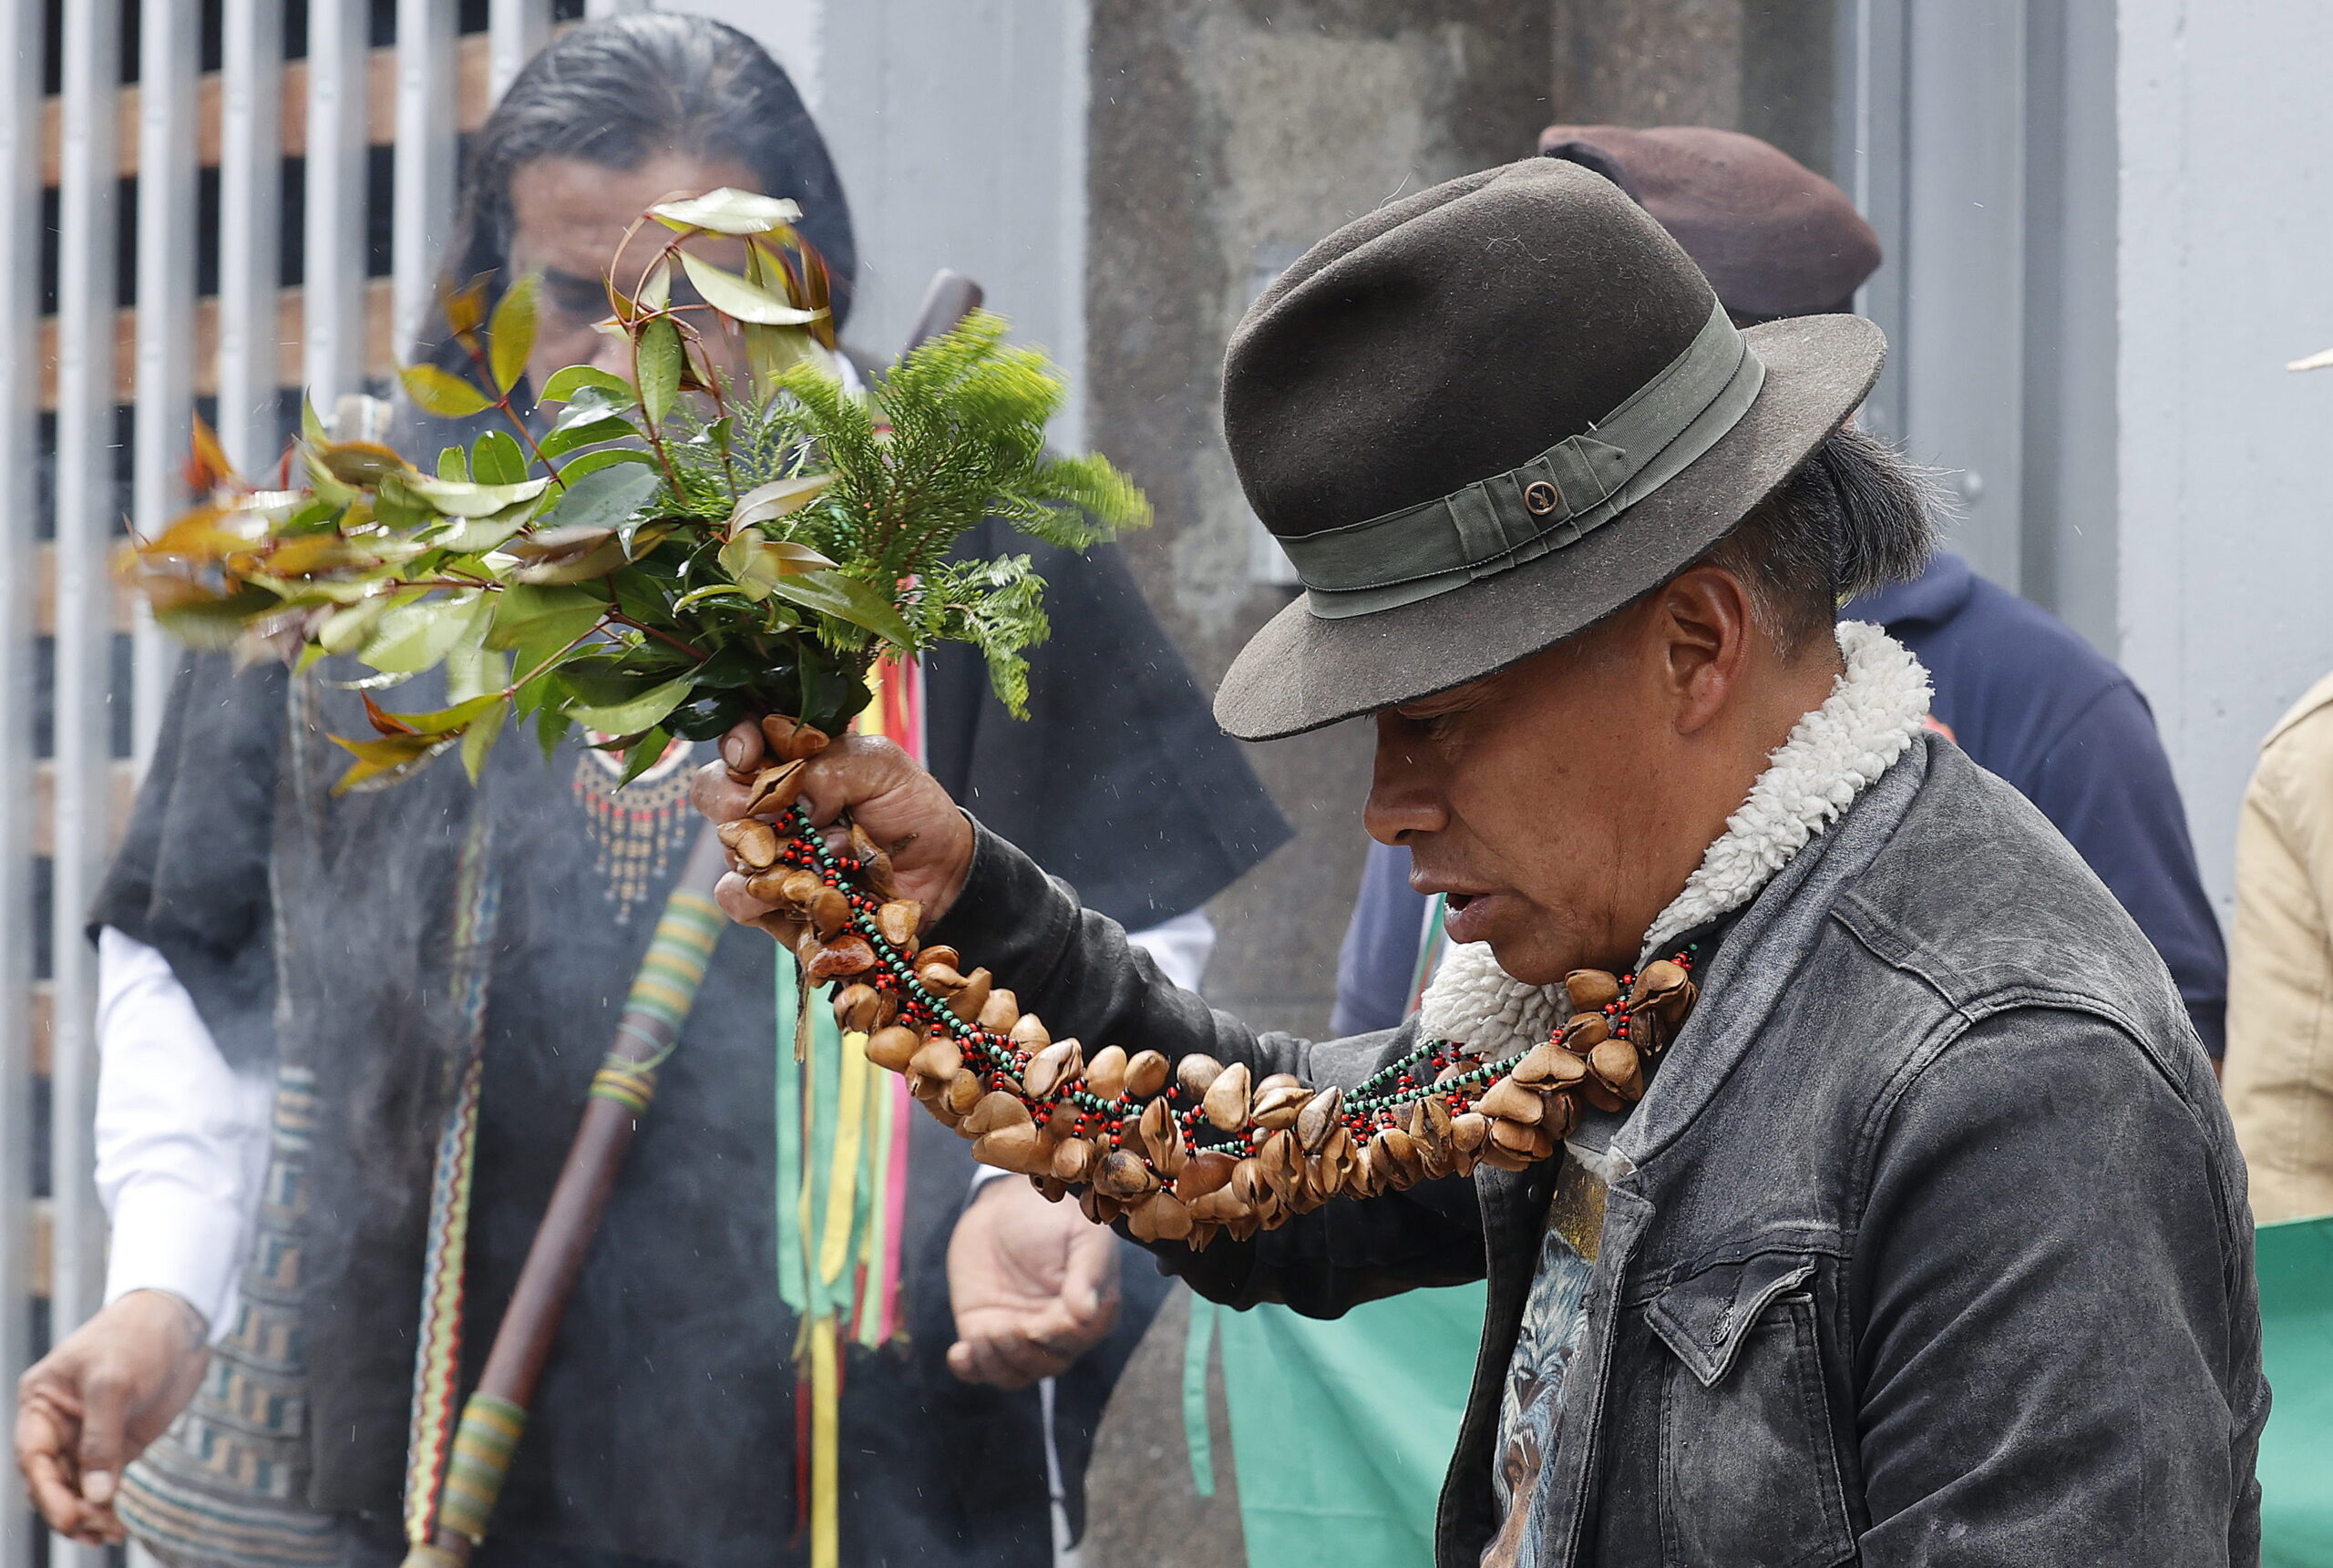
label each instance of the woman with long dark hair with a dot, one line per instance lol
(343, 959)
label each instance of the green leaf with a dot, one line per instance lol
(495, 459)
(550, 727)
(592, 462)
(645, 753)
(727, 211)
(208, 620)
(656, 292)
(657, 362)
(312, 428)
(511, 337)
(443, 721)
(631, 717)
(465, 306)
(387, 760)
(575, 565)
(416, 636)
(771, 352)
(776, 499)
(846, 599)
(605, 498)
(526, 612)
(756, 563)
(442, 393)
(471, 536)
(358, 463)
(564, 385)
(603, 677)
(586, 424)
(733, 297)
(477, 740)
(459, 500)
(454, 464)
(348, 629)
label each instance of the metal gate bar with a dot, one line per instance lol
(87, 502)
(20, 247)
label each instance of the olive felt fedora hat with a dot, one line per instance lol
(1482, 418)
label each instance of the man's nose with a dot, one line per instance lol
(1404, 801)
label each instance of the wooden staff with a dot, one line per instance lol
(950, 298)
(495, 1416)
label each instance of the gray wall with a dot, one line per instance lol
(2226, 560)
(959, 128)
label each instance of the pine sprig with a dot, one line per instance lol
(674, 552)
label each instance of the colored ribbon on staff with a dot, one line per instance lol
(842, 1183)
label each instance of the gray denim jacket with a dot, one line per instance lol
(1936, 1250)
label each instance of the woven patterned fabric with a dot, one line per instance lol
(226, 1486)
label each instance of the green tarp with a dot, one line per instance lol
(1340, 1430)
(2297, 1346)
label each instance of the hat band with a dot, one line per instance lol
(1575, 487)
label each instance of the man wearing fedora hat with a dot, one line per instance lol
(1926, 1240)
(2015, 687)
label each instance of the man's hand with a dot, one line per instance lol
(92, 1404)
(899, 806)
(1034, 1284)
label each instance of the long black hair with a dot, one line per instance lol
(622, 89)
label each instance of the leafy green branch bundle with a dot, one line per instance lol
(675, 549)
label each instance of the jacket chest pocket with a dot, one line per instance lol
(1748, 1477)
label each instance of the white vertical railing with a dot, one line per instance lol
(20, 378)
(250, 219)
(515, 31)
(169, 63)
(99, 355)
(332, 278)
(87, 505)
(425, 162)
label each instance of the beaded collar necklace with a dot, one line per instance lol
(1190, 1150)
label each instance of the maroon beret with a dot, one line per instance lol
(1774, 238)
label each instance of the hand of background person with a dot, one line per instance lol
(92, 1404)
(1034, 1284)
(887, 795)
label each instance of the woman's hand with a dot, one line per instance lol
(92, 1404)
(898, 804)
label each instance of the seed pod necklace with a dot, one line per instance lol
(1184, 1151)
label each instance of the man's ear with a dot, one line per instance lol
(1704, 624)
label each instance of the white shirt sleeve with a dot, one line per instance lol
(182, 1139)
(1180, 948)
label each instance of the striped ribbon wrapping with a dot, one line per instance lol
(438, 1358)
(842, 1183)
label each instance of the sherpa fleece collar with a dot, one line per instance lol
(1834, 754)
